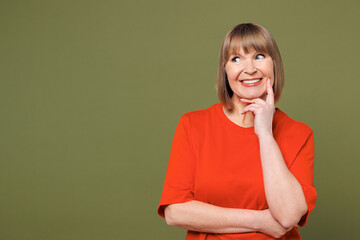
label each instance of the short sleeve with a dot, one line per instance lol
(179, 179)
(303, 169)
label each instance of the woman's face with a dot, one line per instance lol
(247, 73)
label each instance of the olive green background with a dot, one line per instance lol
(91, 93)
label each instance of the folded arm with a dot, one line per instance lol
(204, 217)
(283, 192)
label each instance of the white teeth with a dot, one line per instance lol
(252, 81)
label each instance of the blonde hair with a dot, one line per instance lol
(248, 36)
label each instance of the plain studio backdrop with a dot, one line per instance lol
(91, 93)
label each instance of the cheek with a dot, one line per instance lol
(228, 74)
(232, 73)
(271, 70)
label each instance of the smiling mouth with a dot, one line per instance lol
(251, 82)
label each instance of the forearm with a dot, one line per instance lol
(203, 217)
(284, 194)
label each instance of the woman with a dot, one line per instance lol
(241, 169)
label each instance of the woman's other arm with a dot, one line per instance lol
(204, 217)
(283, 192)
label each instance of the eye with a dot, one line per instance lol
(260, 56)
(235, 59)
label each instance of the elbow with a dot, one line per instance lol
(288, 223)
(177, 214)
(293, 219)
(169, 215)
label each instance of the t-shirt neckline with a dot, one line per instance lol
(233, 126)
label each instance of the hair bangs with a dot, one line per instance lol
(247, 41)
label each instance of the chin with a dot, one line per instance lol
(252, 96)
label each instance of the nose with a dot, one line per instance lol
(249, 67)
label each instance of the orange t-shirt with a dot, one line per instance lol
(215, 161)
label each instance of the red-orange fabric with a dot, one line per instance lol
(213, 160)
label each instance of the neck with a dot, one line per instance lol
(243, 120)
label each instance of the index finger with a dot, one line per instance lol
(270, 93)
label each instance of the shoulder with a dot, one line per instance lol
(291, 136)
(199, 122)
(202, 115)
(285, 125)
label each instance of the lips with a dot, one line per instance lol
(251, 82)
